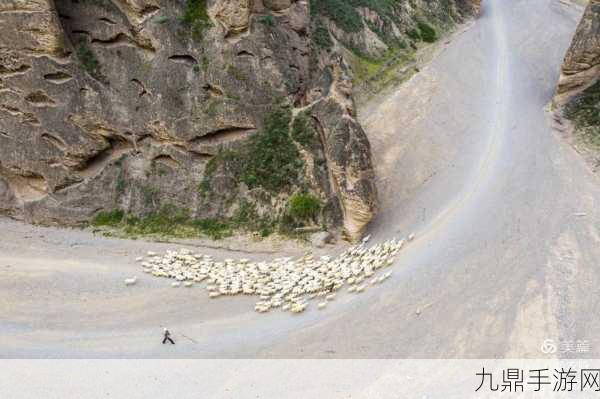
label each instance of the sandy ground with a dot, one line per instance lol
(507, 219)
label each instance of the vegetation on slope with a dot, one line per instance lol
(584, 111)
(196, 18)
(270, 161)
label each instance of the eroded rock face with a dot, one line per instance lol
(45, 35)
(581, 67)
(123, 104)
(233, 15)
(347, 150)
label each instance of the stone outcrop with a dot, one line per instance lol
(581, 67)
(127, 104)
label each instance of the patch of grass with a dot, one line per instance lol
(172, 222)
(365, 68)
(213, 228)
(89, 62)
(247, 218)
(414, 34)
(584, 111)
(375, 74)
(321, 36)
(196, 18)
(303, 132)
(341, 12)
(168, 222)
(108, 218)
(270, 160)
(165, 222)
(274, 161)
(428, 33)
(304, 207)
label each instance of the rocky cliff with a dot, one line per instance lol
(578, 93)
(204, 109)
(581, 67)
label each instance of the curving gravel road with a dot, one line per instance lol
(507, 218)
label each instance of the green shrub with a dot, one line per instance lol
(267, 20)
(321, 36)
(214, 228)
(88, 61)
(245, 214)
(414, 34)
(165, 222)
(247, 218)
(304, 207)
(341, 12)
(428, 33)
(303, 131)
(108, 218)
(171, 221)
(270, 160)
(196, 18)
(273, 161)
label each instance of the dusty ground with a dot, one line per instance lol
(507, 217)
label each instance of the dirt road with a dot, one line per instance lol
(507, 218)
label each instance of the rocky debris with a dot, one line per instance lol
(320, 239)
(581, 67)
(284, 283)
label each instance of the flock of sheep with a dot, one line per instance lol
(284, 283)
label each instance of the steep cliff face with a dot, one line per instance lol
(205, 107)
(373, 28)
(379, 39)
(581, 67)
(578, 93)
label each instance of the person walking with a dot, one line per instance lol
(168, 337)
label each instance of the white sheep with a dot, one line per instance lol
(131, 281)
